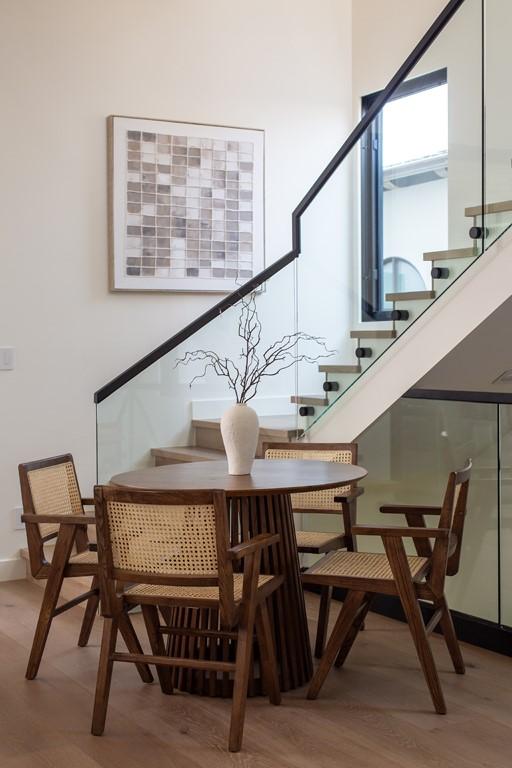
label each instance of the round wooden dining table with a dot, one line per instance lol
(257, 503)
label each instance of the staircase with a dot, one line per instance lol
(147, 414)
(339, 377)
(447, 266)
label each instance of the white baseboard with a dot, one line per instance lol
(13, 569)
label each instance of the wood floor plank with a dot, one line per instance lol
(375, 712)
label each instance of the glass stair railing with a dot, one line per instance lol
(420, 189)
(435, 223)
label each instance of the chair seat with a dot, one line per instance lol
(318, 541)
(84, 558)
(154, 592)
(362, 565)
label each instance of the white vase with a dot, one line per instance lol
(239, 428)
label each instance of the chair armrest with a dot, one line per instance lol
(60, 519)
(88, 501)
(404, 509)
(351, 496)
(251, 546)
(401, 531)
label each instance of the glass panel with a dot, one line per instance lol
(506, 513)
(409, 453)
(389, 230)
(498, 125)
(401, 275)
(159, 408)
(415, 181)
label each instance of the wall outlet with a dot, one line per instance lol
(7, 359)
(17, 525)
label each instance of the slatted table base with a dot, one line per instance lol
(250, 516)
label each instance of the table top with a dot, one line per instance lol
(267, 477)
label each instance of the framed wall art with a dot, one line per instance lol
(186, 205)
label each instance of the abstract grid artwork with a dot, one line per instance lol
(186, 205)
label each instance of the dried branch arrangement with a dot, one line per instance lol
(245, 379)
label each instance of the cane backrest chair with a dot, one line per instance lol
(50, 493)
(53, 512)
(167, 550)
(411, 578)
(340, 501)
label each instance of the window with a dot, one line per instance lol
(404, 190)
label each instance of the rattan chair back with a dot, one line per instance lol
(453, 516)
(49, 487)
(150, 537)
(339, 453)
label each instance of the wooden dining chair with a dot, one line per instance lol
(335, 501)
(53, 510)
(164, 550)
(411, 578)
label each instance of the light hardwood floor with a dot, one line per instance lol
(373, 713)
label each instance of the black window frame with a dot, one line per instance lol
(372, 196)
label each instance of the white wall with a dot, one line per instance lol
(383, 34)
(280, 65)
(498, 180)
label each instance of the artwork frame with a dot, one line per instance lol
(204, 235)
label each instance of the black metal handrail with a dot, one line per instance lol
(210, 314)
(233, 298)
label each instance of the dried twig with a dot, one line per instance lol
(245, 380)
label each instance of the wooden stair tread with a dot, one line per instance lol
(500, 207)
(186, 453)
(309, 400)
(270, 426)
(454, 253)
(339, 368)
(375, 334)
(411, 296)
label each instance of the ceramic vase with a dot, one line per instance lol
(239, 428)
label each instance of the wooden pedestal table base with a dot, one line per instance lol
(258, 503)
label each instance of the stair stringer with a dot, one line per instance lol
(481, 289)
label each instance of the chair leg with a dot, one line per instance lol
(167, 614)
(323, 620)
(108, 646)
(60, 559)
(353, 602)
(132, 643)
(407, 594)
(267, 654)
(357, 626)
(450, 637)
(168, 617)
(243, 664)
(89, 616)
(51, 595)
(150, 614)
(349, 509)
